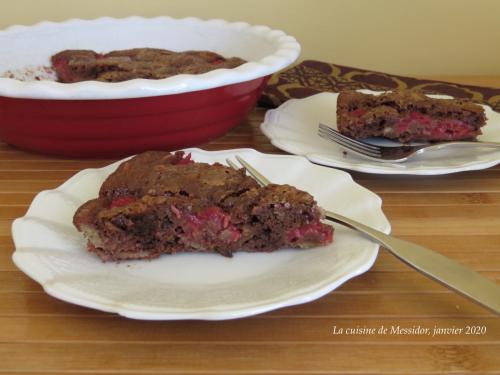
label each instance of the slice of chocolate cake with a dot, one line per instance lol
(159, 202)
(150, 63)
(408, 116)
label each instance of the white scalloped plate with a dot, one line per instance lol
(293, 127)
(197, 286)
(266, 51)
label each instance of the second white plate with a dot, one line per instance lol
(293, 127)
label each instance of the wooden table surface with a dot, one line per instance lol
(457, 215)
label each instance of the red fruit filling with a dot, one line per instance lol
(211, 221)
(312, 232)
(122, 201)
(66, 73)
(358, 112)
(63, 71)
(427, 127)
(214, 215)
(185, 160)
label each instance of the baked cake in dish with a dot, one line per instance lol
(159, 202)
(151, 63)
(407, 116)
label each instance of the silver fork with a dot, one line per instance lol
(436, 266)
(396, 154)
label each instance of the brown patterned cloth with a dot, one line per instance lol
(311, 77)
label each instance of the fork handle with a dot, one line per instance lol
(440, 268)
(462, 143)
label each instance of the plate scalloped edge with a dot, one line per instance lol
(212, 313)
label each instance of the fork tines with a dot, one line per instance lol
(331, 134)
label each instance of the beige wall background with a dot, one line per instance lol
(416, 37)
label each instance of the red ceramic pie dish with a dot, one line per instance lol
(114, 127)
(101, 119)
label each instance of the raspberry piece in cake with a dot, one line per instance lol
(75, 65)
(408, 116)
(159, 202)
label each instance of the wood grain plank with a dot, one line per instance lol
(12, 211)
(6, 263)
(28, 186)
(439, 220)
(50, 165)
(474, 182)
(16, 198)
(405, 305)
(344, 358)
(466, 175)
(100, 329)
(14, 281)
(5, 227)
(14, 154)
(39, 175)
(439, 199)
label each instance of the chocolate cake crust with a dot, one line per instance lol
(150, 63)
(159, 202)
(408, 116)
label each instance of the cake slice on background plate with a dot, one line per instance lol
(408, 116)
